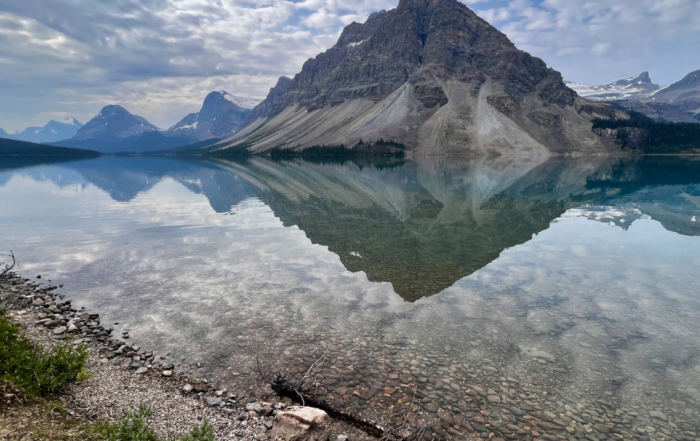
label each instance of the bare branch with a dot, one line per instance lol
(9, 267)
(309, 372)
(257, 359)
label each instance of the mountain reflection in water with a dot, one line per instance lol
(423, 225)
(570, 282)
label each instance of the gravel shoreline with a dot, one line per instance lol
(470, 402)
(123, 377)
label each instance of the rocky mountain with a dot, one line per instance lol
(434, 76)
(262, 111)
(114, 129)
(656, 111)
(2, 133)
(636, 88)
(221, 115)
(114, 122)
(684, 94)
(51, 132)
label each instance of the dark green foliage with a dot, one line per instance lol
(35, 370)
(380, 148)
(239, 151)
(136, 427)
(200, 433)
(11, 147)
(660, 137)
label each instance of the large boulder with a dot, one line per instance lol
(301, 424)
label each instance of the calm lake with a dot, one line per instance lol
(482, 291)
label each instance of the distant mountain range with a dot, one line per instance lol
(679, 102)
(51, 132)
(635, 88)
(115, 129)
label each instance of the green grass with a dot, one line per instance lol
(136, 427)
(33, 369)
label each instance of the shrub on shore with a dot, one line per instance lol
(136, 427)
(33, 369)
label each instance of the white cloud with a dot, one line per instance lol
(147, 52)
(601, 48)
(597, 41)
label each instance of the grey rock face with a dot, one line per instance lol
(434, 76)
(684, 94)
(219, 117)
(114, 122)
(276, 93)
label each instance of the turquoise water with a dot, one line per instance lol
(574, 278)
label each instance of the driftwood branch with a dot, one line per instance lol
(285, 386)
(7, 267)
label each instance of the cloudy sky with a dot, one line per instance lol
(159, 58)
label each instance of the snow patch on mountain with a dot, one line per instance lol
(242, 102)
(69, 121)
(633, 88)
(53, 131)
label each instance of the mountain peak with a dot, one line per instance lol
(221, 115)
(432, 75)
(53, 131)
(637, 88)
(684, 93)
(112, 122)
(242, 102)
(642, 77)
(69, 121)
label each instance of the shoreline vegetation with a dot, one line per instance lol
(642, 135)
(12, 148)
(637, 136)
(65, 376)
(380, 149)
(59, 375)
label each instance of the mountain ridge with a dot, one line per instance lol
(638, 87)
(435, 77)
(115, 129)
(221, 115)
(684, 93)
(53, 131)
(114, 121)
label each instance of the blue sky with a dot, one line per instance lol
(159, 58)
